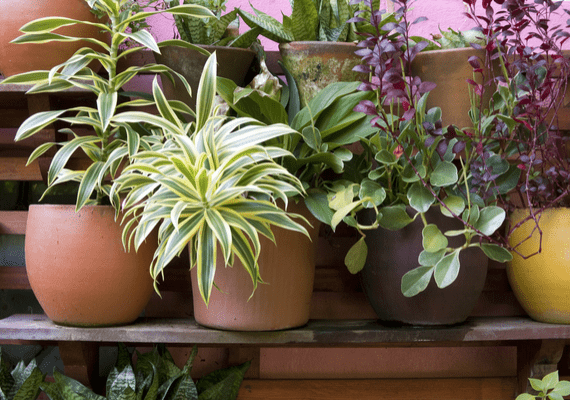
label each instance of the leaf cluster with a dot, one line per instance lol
(109, 144)
(155, 376)
(21, 382)
(550, 387)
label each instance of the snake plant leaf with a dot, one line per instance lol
(222, 383)
(444, 174)
(416, 280)
(304, 20)
(447, 269)
(420, 198)
(490, 219)
(432, 239)
(192, 10)
(272, 29)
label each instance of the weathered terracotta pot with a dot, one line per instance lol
(18, 58)
(315, 65)
(233, 63)
(79, 270)
(541, 283)
(449, 69)
(391, 254)
(287, 267)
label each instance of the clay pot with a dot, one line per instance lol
(18, 58)
(449, 69)
(391, 254)
(315, 65)
(233, 63)
(79, 270)
(283, 302)
(541, 283)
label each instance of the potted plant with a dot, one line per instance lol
(414, 192)
(316, 42)
(216, 33)
(215, 192)
(75, 261)
(521, 128)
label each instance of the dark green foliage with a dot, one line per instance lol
(20, 383)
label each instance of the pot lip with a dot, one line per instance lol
(451, 51)
(212, 48)
(68, 206)
(315, 43)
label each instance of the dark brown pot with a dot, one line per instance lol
(393, 253)
(233, 63)
(79, 270)
(315, 65)
(18, 58)
(449, 69)
(287, 267)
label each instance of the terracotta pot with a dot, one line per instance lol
(18, 58)
(287, 267)
(449, 70)
(79, 270)
(233, 63)
(315, 65)
(541, 283)
(391, 254)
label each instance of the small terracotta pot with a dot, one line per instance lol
(79, 270)
(391, 254)
(18, 58)
(315, 65)
(233, 63)
(287, 267)
(449, 69)
(541, 283)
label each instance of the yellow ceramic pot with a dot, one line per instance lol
(541, 283)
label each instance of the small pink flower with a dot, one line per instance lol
(521, 166)
(398, 151)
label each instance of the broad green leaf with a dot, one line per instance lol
(455, 203)
(394, 218)
(373, 190)
(420, 197)
(550, 380)
(386, 157)
(356, 256)
(272, 29)
(428, 259)
(312, 137)
(432, 239)
(223, 383)
(305, 20)
(490, 219)
(343, 212)
(416, 281)
(447, 269)
(525, 396)
(317, 203)
(495, 252)
(562, 388)
(444, 174)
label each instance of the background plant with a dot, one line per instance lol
(21, 382)
(111, 142)
(549, 387)
(155, 376)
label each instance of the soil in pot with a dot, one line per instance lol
(79, 270)
(287, 268)
(391, 254)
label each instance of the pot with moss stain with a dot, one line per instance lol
(541, 283)
(315, 65)
(18, 58)
(391, 254)
(79, 270)
(288, 269)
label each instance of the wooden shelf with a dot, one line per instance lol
(476, 331)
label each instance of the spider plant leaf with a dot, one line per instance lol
(93, 177)
(206, 92)
(63, 155)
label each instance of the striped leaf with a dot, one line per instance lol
(93, 177)
(272, 29)
(36, 123)
(106, 106)
(305, 20)
(63, 155)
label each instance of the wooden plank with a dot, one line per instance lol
(14, 278)
(81, 360)
(344, 333)
(375, 389)
(13, 222)
(14, 169)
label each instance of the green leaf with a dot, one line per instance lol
(272, 29)
(206, 262)
(305, 20)
(428, 259)
(447, 269)
(386, 157)
(432, 239)
(394, 218)
(317, 203)
(312, 137)
(63, 155)
(550, 380)
(356, 256)
(206, 92)
(562, 388)
(444, 174)
(93, 178)
(106, 105)
(497, 253)
(490, 219)
(373, 190)
(420, 197)
(416, 281)
(525, 396)
(143, 37)
(455, 203)
(36, 122)
(223, 383)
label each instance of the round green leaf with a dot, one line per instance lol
(428, 259)
(356, 256)
(447, 269)
(490, 219)
(420, 197)
(445, 174)
(374, 190)
(455, 204)
(394, 218)
(433, 240)
(496, 253)
(416, 280)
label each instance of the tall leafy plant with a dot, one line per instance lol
(110, 142)
(213, 189)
